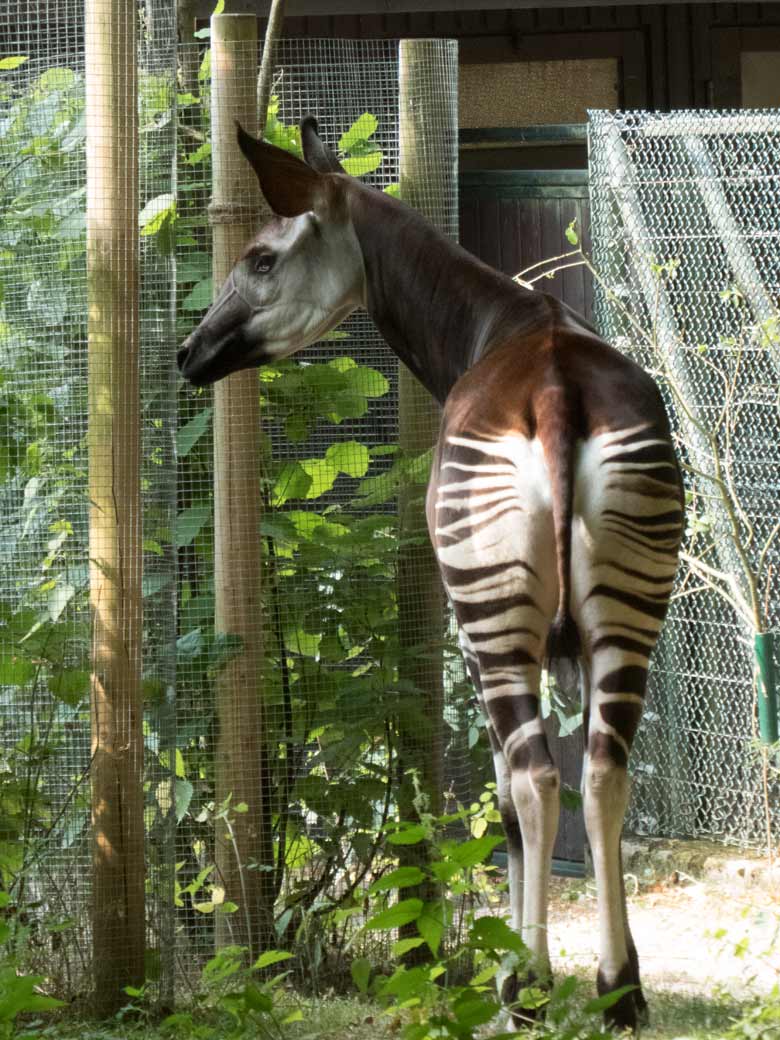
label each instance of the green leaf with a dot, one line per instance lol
(200, 297)
(265, 960)
(360, 970)
(395, 916)
(298, 641)
(473, 1009)
(486, 975)
(323, 474)
(430, 925)
(358, 165)
(571, 233)
(58, 598)
(350, 457)
(363, 128)
(566, 990)
(70, 686)
(403, 877)
(57, 78)
(347, 405)
(300, 851)
(367, 381)
(532, 997)
(183, 796)
(491, 933)
(292, 482)
(343, 364)
(470, 853)
(15, 671)
(608, 1000)
(444, 870)
(190, 522)
(201, 153)
(296, 428)
(155, 213)
(404, 945)
(189, 434)
(570, 799)
(256, 1000)
(13, 62)
(408, 835)
(190, 645)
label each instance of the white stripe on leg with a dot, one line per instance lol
(606, 790)
(536, 796)
(514, 849)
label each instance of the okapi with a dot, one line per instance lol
(554, 504)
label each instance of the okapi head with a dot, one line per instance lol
(298, 277)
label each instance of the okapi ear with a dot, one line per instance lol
(289, 185)
(316, 153)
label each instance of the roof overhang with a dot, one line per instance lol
(328, 7)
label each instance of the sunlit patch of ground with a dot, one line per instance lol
(693, 937)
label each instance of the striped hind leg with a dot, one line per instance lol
(615, 704)
(503, 642)
(506, 808)
(491, 524)
(624, 560)
(528, 799)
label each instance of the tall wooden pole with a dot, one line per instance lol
(428, 167)
(115, 543)
(245, 853)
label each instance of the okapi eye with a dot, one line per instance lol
(264, 262)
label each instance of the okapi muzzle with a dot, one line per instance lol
(223, 342)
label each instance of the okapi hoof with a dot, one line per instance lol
(511, 990)
(642, 1010)
(630, 1011)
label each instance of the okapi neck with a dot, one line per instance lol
(439, 308)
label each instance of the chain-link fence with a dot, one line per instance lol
(685, 219)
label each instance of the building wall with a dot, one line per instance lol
(672, 55)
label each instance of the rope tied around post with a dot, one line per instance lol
(233, 213)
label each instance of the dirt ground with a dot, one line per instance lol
(713, 928)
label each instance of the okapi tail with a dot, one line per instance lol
(557, 432)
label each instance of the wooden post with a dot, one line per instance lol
(245, 853)
(427, 182)
(115, 543)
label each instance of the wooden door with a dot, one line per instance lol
(512, 219)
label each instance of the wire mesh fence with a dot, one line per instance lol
(48, 635)
(333, 628)
(330, 756)
(685, 218)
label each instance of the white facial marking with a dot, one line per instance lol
(317, 279)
